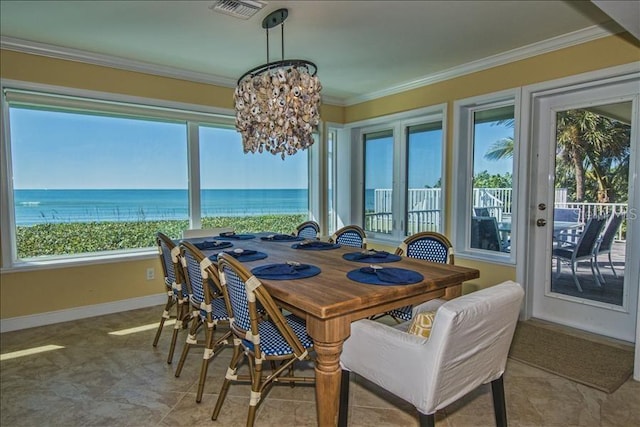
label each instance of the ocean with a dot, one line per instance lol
(56, 206)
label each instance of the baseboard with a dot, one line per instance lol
(48, 318)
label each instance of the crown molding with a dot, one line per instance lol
(549, 45)
(545, 46)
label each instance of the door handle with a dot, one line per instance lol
(541, 222)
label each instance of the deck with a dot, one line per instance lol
(611, 292)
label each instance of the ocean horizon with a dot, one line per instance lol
(102, 205)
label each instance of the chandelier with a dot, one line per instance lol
(277, 103)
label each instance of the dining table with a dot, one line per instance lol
(330, 301)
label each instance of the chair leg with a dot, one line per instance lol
(231, 372)
(427, 420)
(208, 353)
(593, 272)
(611, 265)
(499, 407)
(575, 276)
(595, 257)
(343, 414)
(191, 339)
(176, 329)
(165, 316)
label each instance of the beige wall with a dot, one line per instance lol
(30, 292)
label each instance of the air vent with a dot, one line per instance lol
(243, 9)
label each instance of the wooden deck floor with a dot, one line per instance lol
(612, 290)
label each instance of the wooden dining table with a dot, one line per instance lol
(330, 301)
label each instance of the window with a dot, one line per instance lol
(483, 191)
(84, 177)
(402, 157)
(238, 188)
(424, 178)
(378, 181)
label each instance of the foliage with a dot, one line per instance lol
(88, 237)
(485, 180)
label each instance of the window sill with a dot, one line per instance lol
(508, 260)
(50, 263)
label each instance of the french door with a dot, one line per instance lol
(584, 164)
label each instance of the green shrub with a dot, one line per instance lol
(86, 237)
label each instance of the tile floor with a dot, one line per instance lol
(99, 379)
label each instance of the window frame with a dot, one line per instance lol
(463, 145)
(192, 115)
(398, 123)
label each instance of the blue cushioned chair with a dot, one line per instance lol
(208, 308)
(308, 230)
(350, 235)
(430, 246)
(262, 333)
(177, 296)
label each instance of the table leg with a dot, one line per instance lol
(328, 337)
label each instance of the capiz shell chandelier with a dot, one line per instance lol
(277, 103)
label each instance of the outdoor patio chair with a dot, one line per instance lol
(567, 215)
(583, 250)
(605, 242)
(208, 309)
(430, 246)
(466, 346)
(308, 230)
(481, 212)
(177, 296)
(262, 334)
(485, 234)
(350, 235)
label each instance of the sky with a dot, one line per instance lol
(55, 150)
(425, 157)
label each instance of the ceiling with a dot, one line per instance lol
(362, 48)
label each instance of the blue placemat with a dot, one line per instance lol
(234, 236)
(315, 245)
(281, 238)
(385, 276)
(285, 271)
(242, 255)
(208, 245)
(371, 257)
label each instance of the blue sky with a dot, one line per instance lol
(425, 162)
(54, 150)
(68, 151)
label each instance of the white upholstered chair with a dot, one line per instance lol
(467, 347)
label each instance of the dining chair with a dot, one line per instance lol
(262, 334)
(429, 246)
(467, 346)
(605, 242)
(583, 250)
(350, 235)
(485, 234)
(177, 296)
(308, 230)
(208, 309)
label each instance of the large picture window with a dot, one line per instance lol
(86, 177)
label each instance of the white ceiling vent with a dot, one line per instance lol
(243, 9)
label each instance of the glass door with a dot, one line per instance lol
(584, 227)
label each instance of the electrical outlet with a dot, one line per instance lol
(151, 273)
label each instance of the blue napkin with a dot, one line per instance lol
(281, 237)
(282, 269)
(370, 254)
(391, 275)
(244, 252)
(210, 245)
(311, 244)
(233, 235)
